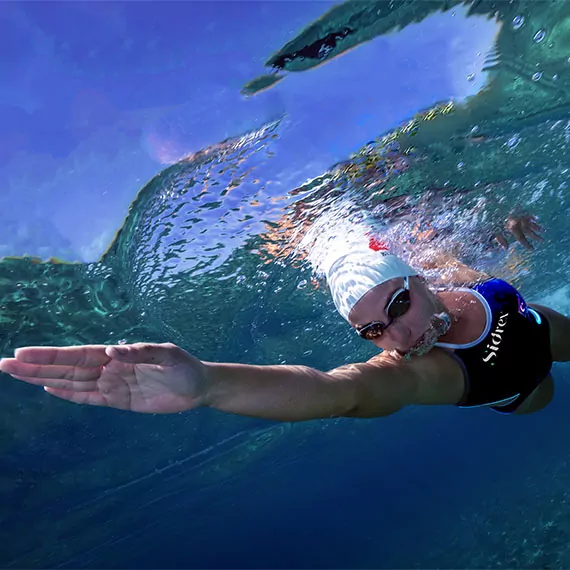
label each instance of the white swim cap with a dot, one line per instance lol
(351, 276)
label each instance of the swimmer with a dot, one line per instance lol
(473, 343)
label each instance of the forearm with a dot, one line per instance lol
(281, 393)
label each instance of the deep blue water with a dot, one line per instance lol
(420, 488)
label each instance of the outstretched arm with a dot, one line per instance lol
(162, 378)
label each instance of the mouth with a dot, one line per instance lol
(439, 325)
(416, 348)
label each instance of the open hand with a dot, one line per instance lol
(521, 228)
(153, 378)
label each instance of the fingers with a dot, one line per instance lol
(533, 233)
(61, 377)
(533, 225)
(166, 354)
(91, 356)
(70, 366)
(88, 355)
(15, 367)
(502, 240)
(90, 398)
(58, 383)
(521, 238)
(524, 227)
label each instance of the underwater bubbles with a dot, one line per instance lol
(514, 141)
(539, 36)
(518, 21)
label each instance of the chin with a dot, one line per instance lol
(439, 326)
(414, 351)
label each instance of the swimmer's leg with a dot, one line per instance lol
(559, 333)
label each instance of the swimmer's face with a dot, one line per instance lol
(404, 332)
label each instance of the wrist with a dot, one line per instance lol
(210, 389)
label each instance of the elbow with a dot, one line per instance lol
(368, 412)
(367, 405)
(362, 399)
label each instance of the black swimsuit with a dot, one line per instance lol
(498, 370)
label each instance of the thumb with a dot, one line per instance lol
(144, 353)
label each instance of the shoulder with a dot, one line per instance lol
(437, 377)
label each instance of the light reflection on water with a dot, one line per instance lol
(196, 215)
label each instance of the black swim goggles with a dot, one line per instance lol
(397, 306)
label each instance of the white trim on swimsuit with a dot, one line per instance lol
(488, 317)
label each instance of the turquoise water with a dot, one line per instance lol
(217, 257)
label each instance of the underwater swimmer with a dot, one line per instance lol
(475, 343)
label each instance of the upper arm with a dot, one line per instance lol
(384, 384)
